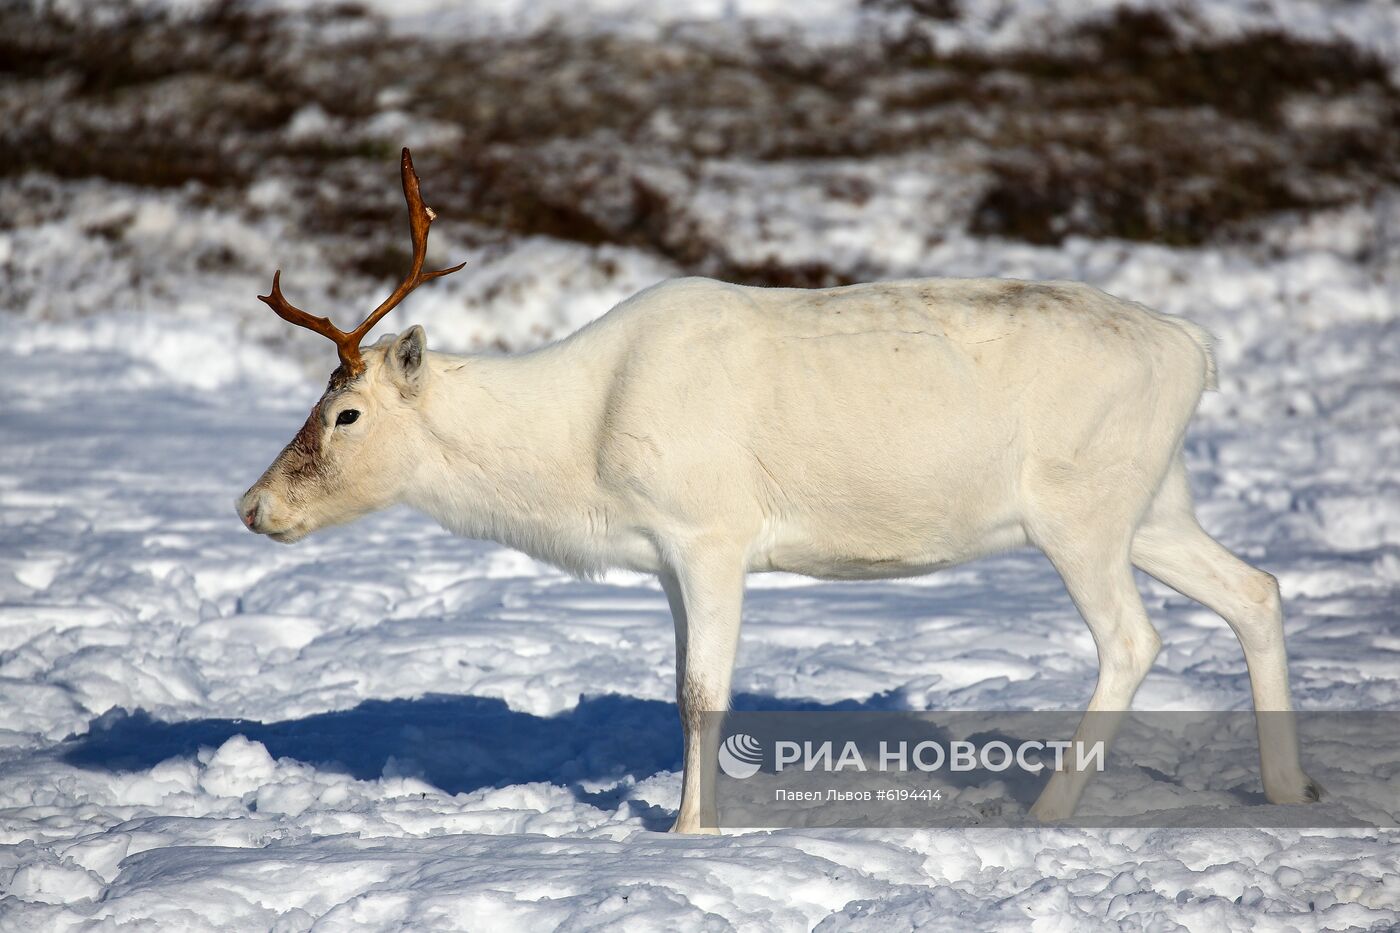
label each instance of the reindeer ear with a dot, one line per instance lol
(405, 358)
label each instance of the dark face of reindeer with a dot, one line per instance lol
(362, 440)
(355, 452)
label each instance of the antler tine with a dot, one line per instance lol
(348, 351)
(420, 217)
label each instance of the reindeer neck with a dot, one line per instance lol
(510, 450)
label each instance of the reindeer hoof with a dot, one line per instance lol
(1303, 790)
(1046, 812)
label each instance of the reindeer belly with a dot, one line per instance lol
(856, 544)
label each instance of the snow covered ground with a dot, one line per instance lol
(387, 727)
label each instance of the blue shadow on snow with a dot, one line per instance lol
(456, 743)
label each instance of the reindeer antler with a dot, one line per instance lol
(347, 344)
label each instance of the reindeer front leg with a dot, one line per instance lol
(706, 591)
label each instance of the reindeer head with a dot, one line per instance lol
(356, 448)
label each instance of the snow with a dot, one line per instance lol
(983, 24)
(388, 726)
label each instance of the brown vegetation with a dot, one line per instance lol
(1124, 128)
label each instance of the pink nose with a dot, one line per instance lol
(250, 517)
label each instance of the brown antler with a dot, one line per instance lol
(347, 344)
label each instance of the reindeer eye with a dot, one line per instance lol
(348, 416)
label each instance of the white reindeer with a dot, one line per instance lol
(702, 431)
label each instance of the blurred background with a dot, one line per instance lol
(163, 157)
